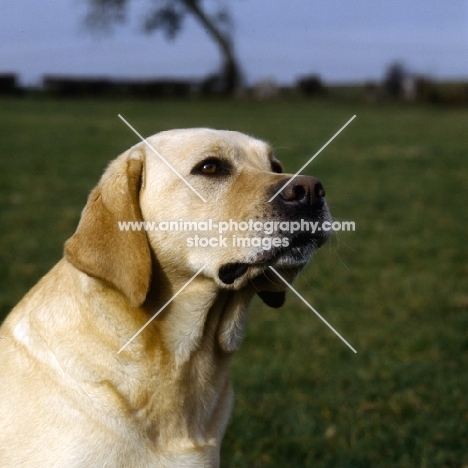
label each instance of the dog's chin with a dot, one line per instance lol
(288, 261)
(260, 279)
(235, 275)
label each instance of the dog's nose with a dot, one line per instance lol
(304, 190)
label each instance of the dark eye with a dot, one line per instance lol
(212, 167)
(276, 167)
(209, 167)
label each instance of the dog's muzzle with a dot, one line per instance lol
(302, 199)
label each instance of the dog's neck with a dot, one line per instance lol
(195, 337)
(201, 317)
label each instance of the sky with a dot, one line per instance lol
(340, 40)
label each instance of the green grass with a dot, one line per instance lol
(396, 288)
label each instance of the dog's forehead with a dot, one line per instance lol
(201, 142)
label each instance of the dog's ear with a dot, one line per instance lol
(99, 248)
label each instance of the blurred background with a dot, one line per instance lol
(196, 44)
(291, 73)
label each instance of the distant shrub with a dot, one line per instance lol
(93, 87)
(394, 80)
(311, 85)
(9, 84)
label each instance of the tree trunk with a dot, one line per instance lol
(230, 72)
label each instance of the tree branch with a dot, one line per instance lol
(230, 68)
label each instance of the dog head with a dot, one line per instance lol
(199, 198)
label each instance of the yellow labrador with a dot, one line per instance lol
(82, 383)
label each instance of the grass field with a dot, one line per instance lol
(396, 288)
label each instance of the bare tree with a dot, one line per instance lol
(168, 16)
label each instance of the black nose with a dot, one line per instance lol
(303, 190)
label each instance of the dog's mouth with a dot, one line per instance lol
(294, 254)
(229, 272)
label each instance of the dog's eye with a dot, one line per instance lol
(210, 167)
